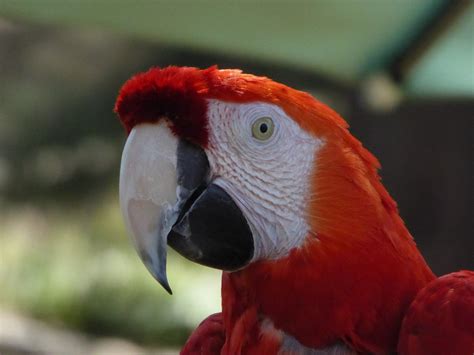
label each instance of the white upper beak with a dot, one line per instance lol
(148, 192)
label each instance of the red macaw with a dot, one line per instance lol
(264, 182)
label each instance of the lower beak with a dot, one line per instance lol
(167, 197)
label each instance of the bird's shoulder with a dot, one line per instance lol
(207, 338)
(441, 318)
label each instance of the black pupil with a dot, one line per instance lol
(263, 128)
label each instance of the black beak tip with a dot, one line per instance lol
(163, 281)
(158, 272)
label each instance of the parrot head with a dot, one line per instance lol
(229, 169)
(249, 176)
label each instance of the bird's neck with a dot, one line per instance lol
(321, 297)
(353, 278)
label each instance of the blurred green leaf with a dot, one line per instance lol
(77, 267)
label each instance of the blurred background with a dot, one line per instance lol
(401, 72)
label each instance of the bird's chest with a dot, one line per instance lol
(251, 328)
(262, 337)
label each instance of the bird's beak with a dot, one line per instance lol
(167, 197)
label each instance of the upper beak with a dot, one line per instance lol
(167, 197)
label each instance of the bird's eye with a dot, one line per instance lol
(262, 129)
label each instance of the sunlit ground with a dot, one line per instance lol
(77, 268)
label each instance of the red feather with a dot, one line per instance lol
(207, 338)
(359, 270)
(175, 93)
(441, 319)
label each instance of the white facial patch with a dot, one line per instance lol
(268, 179)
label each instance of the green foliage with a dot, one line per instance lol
(64, 254)
(77, 268)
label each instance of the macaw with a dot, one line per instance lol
(243, 174)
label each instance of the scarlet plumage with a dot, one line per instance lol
(181, 94)
(177, 93)
(208, 338)
(440, 321)
(359, 269)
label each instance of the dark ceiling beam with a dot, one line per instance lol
(441, 21)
